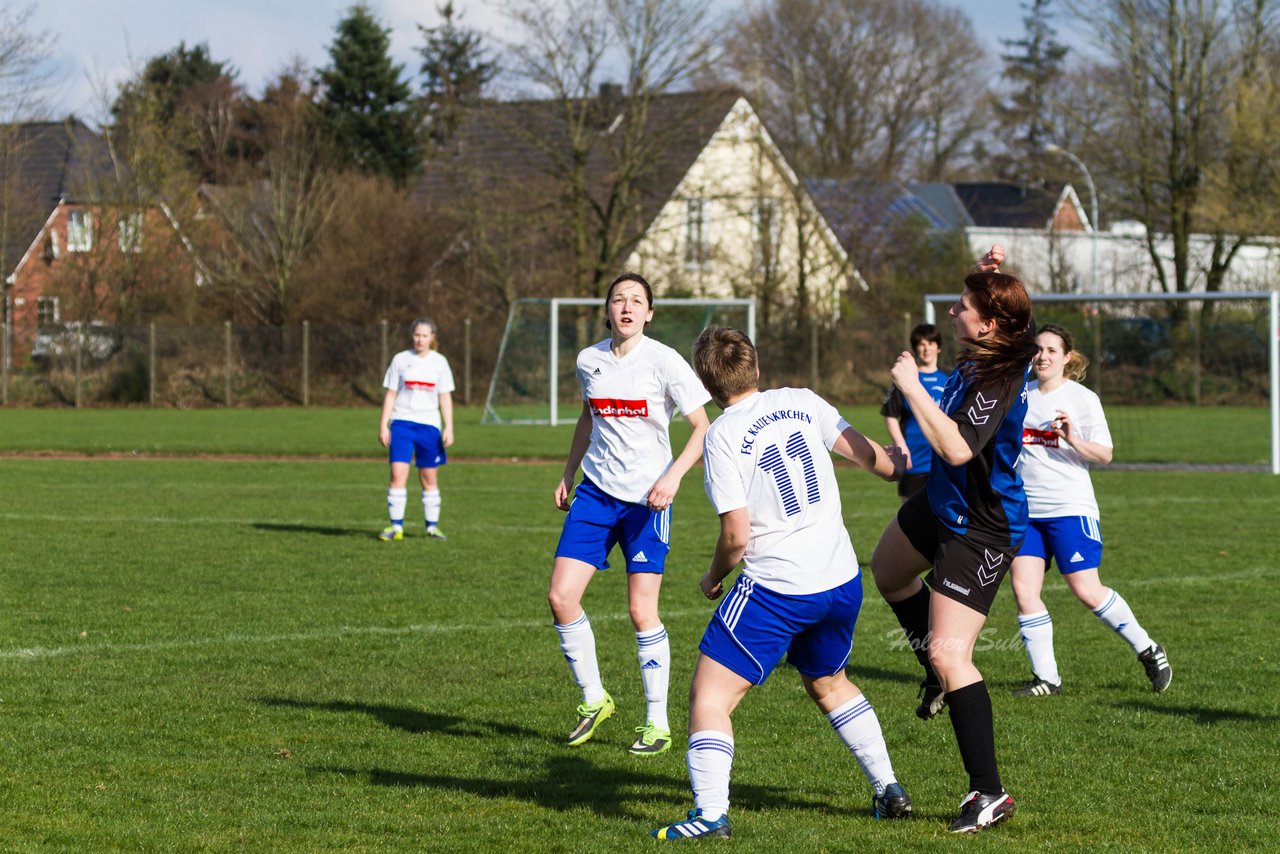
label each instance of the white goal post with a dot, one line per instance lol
(553, 343)
(1272, 324)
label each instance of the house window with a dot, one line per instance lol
(697, 253)
(766, 226)
(47, 313)
(131, 232)
(79, 231)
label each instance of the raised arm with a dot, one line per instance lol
(941, 432)
(886, 463)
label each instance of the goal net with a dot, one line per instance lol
(533, 380)
(1188, 380)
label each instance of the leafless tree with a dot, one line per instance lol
(599, 145)
(266, 224)
(869, 88)
(1175, 73)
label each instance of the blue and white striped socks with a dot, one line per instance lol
(578, 643)
(710, 761)
(859, 728)
(1037, 637)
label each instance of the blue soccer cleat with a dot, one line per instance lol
(695, 826)
(894, 803)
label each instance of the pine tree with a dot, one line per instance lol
(368, 106)
(455, 70)
(1032, 65)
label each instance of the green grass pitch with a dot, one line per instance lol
(216, 654)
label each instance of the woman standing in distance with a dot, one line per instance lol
(1065, 430)
(417, 421)
(631, 385)
(967, 524)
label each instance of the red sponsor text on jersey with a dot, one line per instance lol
(612, 407)
(1031, 436)
(419, 384)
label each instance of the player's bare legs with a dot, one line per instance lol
(653, 654)
(713, 695)
(642, 599)
(856, 724)
(953, 630)
(569, 580)
(896, 565)
(1027, 575)
(399, 475)
(1087, 587)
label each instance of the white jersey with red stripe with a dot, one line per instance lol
(418, 382)
(632, 400)
(770, 454)
(1055, 477)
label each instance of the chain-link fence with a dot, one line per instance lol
(226, 365)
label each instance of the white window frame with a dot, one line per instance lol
(697, 248)
(766, 229)
(79, 231)
(130, 232)
(48, 311)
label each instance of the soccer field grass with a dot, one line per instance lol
(218, 655)
(1215, 435)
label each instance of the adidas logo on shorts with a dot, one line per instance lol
(1077, 557)
(639, 557)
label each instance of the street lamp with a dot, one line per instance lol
(1093, 206)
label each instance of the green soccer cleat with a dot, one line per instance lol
(589, 719)
(435, 533)
(391, 533)
(652, 741)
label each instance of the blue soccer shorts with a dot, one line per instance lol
(597, 522)
(1075, 542)
(409, 439)
(754, 627)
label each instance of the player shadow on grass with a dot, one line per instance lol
(322, 530)
(1199, 714)
(572, 781)
(411, 720)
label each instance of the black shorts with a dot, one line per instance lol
(964, 568)
(912, 483)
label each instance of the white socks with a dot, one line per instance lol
(859, 728)
(431, 507)
(578, 643)
(395, 505)
(1115, 612)
(1037, 637)
(653, 652)
(710, 759)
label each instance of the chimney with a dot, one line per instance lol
(610, 93)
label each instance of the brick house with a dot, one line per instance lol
(64, 230)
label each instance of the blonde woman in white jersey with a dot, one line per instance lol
(416, 424)
(631, 386)
(1064, 432)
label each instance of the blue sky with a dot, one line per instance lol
(99, 41)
